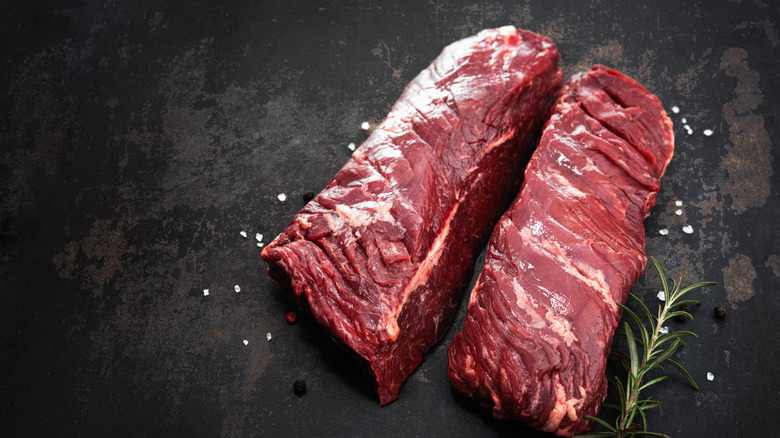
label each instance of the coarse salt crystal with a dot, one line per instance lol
(246, 342)
(282, 197)
(710, 377)
(678, 212)
(259, 237)
(260, 244)
(708, 132)
(663, 231)
(688, 229)
(243, 234)
(678, 203)
(205, 292)
(675, 109)
(688, 129)
(268, 336)
(351, 146)
(237, 288)
(663, 330)
(684, 120)
(365, 126)
(661, 295)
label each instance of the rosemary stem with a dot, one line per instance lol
(627, 415)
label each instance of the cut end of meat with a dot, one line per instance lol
(542, 315)
(381, 256)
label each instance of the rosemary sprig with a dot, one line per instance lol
(648, 348)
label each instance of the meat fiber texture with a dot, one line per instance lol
(542, 315)
(381, 256)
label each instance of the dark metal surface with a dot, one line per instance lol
(137, 141)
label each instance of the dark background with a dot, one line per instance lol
(137, 141)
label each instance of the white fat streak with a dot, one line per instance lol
(390, 322)
(563, 406)
(366, 212)
(392, 124)
(334, 221)
(597, 283)
(566, 405)
(357, 215)
(467, 362)
(499, 141)
(562, 327)
(567, 187)
(375, 176)
(522, 299)
(590, 166)
(579, 130)
(492, 145)
(559, 409)
(475, 292)
(497, 405)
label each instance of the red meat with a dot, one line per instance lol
(542, 315)
(381, 256)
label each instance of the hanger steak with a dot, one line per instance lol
(380, 257)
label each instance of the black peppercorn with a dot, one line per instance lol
(720, 311)
(299, 387)
(308, 196)
(684, 308)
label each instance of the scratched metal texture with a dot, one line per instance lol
(137, 141)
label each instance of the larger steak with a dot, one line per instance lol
(541, 318)
(381, 255)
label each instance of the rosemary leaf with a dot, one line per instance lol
(621, 392)
(632, 352)
(642, 330)
(679, 312)
(644, 419)
(647, 311)
(660, 273)
(662, 339)
(620, 355)
(695, 286)
(653, 382)
(683, 372)
(648, 404)
(666, 354)
(601, 422)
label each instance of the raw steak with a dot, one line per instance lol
(542, 315)
(381, 255)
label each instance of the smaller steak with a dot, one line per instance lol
(381, 256)
(542, 315)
